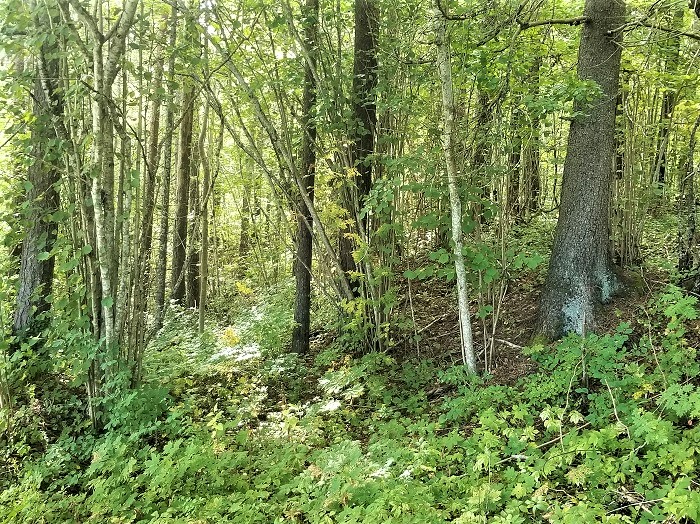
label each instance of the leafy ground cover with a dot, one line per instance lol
(230, 428)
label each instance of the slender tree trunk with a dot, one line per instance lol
(448, 133)
(668, 102)
(689, 252)
(515, 158)
(480, 154)
(142, 275)
(581, 270)
(244, 239)
(207, 196)
(204, 228)
(164, 232)
(365, 115)
(303, 260)
(179, 248)
(193, 230)
(531, 151)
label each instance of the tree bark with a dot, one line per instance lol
(448, 133)
(303, 260)
(194, 231)
(480, 154)
(164, 232)
(36, 260)
(688, 239)
(179, 248)
(668, 103)
(581, 270)
(364, 97)
(531, 151)
(364, 107)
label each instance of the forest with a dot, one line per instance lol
(349, 261)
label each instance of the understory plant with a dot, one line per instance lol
(605, 430)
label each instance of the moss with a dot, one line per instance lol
(540, 339)
(632, 282)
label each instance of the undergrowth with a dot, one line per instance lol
(606, 430)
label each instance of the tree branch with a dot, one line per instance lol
(89, 21)
(554, 21)
(446, 16)
(630, 26)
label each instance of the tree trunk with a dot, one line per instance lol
(194, 231)
(363, 86)
(164, 232)
(36, 260)
(244, 238)
(689, 252)
(303, 260)
(448, 122)
(531, 151)
(581, 270)
(668, 102)
(364, 83)
(179, 248)
(515, 158)
(142, 275)
(204, 228)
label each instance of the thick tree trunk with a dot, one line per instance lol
(36, 260)
(364, 97)
(303, 260)
(581, 270)
(448, 122)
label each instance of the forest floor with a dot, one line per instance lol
(231, 427)
(435, 314)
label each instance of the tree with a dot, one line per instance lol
(182, 195)
(668, 102)
(164, 226)
(688, 238)
(36, 258)
(448, 122)
(304, 241)
(364, 107)
(581, 271)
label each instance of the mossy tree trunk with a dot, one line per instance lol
(42, 200)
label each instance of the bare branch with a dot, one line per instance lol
(554, 21)
(630, 26)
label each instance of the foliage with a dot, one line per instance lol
(605, 431)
